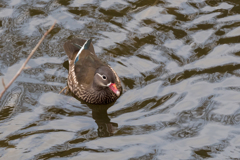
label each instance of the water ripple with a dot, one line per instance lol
(178, 61)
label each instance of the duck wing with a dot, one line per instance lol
(86, 67)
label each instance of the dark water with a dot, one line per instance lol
(178, 61)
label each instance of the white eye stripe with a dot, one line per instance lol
(102, 76)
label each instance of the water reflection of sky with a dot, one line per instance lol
(178, 61)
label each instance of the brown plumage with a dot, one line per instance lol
(89, 78)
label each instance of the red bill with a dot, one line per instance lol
(113, 87)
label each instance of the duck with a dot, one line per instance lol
(89, 79)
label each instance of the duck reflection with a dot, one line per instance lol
(106, 128)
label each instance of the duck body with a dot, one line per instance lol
(89, 78)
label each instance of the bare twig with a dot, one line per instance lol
(28, 58)
(26, 68)
(3, 83)
(63, 89)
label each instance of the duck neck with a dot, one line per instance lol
(97, 87)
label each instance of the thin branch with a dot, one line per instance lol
(3, 83)
(26, 68)
(64, 89)
(28, 58)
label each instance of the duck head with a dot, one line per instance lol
(104, 78)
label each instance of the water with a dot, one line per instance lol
(178, 61)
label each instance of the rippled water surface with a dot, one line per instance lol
(178, 60)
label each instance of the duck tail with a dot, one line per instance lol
(86, 45)
(73, 46)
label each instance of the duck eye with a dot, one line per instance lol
(104, 77)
